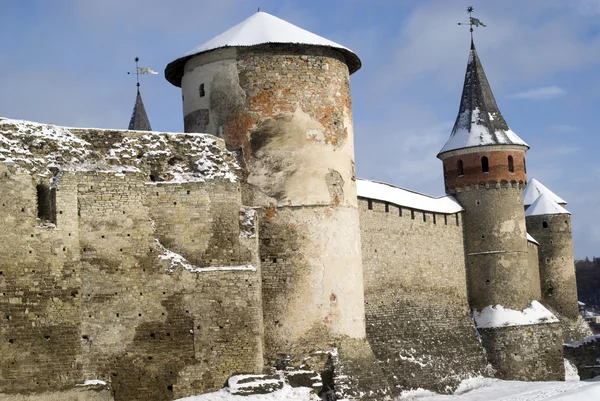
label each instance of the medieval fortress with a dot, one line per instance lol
(164, 263)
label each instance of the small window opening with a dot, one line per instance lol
(387, 207)
(399, 211)
(424, 217)
(434, 219)
(511, 164)
(460, 168)
(457, 221)
(445, 219)
(370, 204)
(524, 166)
(485, 166)
(46, 204)
(545, 224)
(202, 93)
(412, 214)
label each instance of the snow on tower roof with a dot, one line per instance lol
(403, 197)
(479, 121)
(535, 188)
(545, 205)
(260, 28)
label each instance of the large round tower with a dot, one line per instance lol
(550, 224)
(485, 169)
(281, 96)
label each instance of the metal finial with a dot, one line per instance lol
(472, 21)
(258, 10)
(141, 70)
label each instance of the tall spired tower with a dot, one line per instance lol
(485, 169)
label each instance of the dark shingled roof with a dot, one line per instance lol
(139, 119)
(479, 121)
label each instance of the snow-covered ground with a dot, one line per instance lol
(483, 389)
(476, 389)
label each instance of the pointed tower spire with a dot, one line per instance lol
(479, 121)
(139, 119)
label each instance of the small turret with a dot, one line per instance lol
(550, 224)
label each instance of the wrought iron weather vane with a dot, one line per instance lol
(472, 21)
(141, 70)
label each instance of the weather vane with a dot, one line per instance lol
(141, 70)
(472, 22)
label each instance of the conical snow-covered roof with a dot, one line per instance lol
(139, 119)
(545, 205)
(260, 28)
(534, 189)
(479, 121)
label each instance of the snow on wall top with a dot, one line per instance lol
(498, 316)
(163, 157)
(534, 189)
(403, 197)
(479, 121)
(544, 204)
(260, 28)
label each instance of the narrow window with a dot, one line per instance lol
(412, 214)
(446, 219)
(434, 219)
(511, 164)
(400, 211)
(370, 204)
(387, 207)
(460, 168)
(424, 217)
(545, 224)
(485, 166)
(46, 204)
(457, 222)
(524, 166)
(202, 93)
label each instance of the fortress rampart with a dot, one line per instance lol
(151, 286)
(415, 284)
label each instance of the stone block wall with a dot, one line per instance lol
(95, 296)
(528, 353)
(39, 288)
(418, 319)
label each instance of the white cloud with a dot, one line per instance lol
(543, 93)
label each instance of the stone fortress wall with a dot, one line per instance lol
(415, 284)
(110, 289)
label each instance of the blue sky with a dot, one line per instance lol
(65, 62)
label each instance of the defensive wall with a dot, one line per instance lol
(415, 284)
(141, 269)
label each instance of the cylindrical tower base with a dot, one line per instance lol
(556, 262)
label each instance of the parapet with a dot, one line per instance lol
(47, 150)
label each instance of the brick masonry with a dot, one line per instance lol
(473, 174)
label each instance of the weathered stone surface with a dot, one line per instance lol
(421, 294)
(498, 272)
(528, 353)
(556, 262)
(91, 297)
